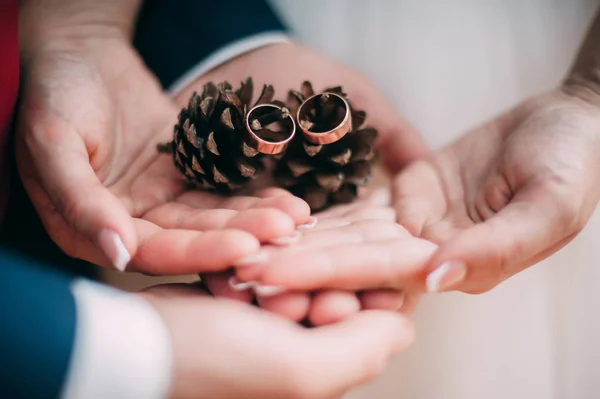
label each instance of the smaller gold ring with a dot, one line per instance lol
(253, 124)
(331, 135)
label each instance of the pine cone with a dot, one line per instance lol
(208, 144)
(324, 175)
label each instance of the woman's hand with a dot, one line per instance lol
(90, 119)
(226, 349)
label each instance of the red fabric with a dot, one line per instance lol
(9, 85)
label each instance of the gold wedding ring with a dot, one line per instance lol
(316, 133)
(264, 140)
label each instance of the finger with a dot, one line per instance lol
(291, 305)
(74, 192)
(382, 299)
(417, 198)
(388, 264)
(373, 337)
(173, 252)
(293, 206)
(332, 306)
(263, 223)
(480, 257)
(218, 284)
(361, 232)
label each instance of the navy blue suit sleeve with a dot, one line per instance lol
(37, 329)
(174, 35)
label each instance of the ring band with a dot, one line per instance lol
(330, 135)
(262, 115)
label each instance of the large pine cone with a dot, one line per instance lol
(324, 175)
(208, 144)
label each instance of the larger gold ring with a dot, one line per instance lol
(264, 140)
(321, 131)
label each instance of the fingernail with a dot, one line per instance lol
(267, 290)
(112, 245)
(289, 240)
(253, 259)
(238, 285)
(312, 222)
(446, 276)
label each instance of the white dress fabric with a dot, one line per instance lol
(448, 66)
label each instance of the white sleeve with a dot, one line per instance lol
(122, 349)
(225, 54)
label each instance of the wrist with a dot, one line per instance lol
(55, 22)
(583, 81)
(582, 89)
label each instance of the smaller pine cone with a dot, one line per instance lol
(328, 174)
(208, 144)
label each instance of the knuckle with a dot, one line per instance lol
(69, 206)
(569, 213)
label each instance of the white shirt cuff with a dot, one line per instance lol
(225, 54)
(122, 349)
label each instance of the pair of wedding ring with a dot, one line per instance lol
(257, 118)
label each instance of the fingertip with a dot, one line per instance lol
(331, 306)
(382, 299)
(292, 305)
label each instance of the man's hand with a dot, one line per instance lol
(226, 349)
(90, 119)
(507, 195)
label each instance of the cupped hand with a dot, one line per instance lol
(506, 195)
(227, 349)
(90, 119)
(286, 66)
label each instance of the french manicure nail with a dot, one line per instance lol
(446, 276)
(312, 222)
(238, 285)
(253, 259)
(267, 290)
(113, 247)
(289, 240)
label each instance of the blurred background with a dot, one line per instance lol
(447, 67)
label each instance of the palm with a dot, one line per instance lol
(97, 102)
(536, 160)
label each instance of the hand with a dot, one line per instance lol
(355, 247)
(507, 195)
(366, 220)
(226, 349)
(90, 119)
(498, 200)
(286, 66)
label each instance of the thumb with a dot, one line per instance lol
(355, 350)
(536, 223)
(81, 215)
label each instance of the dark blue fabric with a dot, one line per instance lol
(37, 329)
(173, 36)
